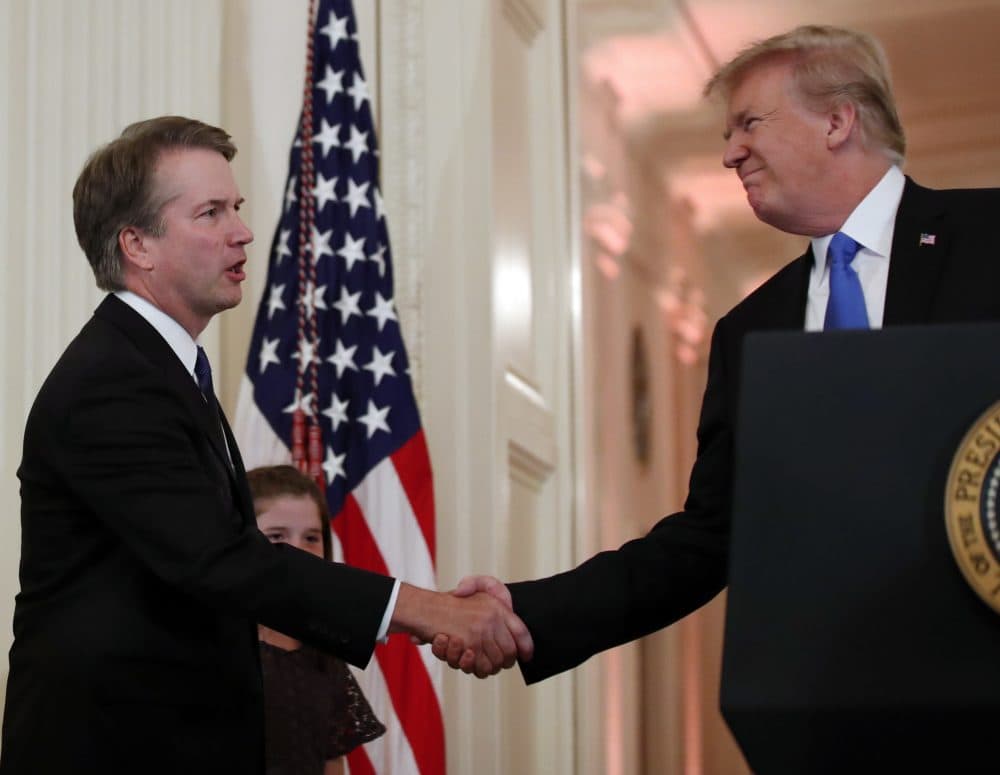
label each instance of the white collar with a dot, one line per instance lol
(179, 340)
(872, 222)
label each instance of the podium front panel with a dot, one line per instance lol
(852, 640)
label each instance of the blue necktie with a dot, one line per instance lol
(203, 373)
(846, 307)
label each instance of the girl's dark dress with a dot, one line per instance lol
(315, 710)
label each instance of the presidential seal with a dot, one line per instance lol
(970, 507)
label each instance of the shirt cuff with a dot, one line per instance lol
(390, 609)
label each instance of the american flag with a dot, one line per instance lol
(327, 349)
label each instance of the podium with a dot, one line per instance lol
(853, 643)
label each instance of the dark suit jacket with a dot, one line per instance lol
(143, 574)
(680, 564)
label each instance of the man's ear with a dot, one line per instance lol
(131, 242)
(841, 121)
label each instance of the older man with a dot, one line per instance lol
(813, 133)
(143, 574)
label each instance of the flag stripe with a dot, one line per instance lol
(359, 763)
(416, 703)
(396, 544)
(259, 444)
(359, 544)
(413, 466)
(411, 685)
(392, 751)
(393, 525)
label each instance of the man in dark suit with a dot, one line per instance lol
(813, 133)
(143, 574)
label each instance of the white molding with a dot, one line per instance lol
(525, 16)
(526, 468)
(531, 441)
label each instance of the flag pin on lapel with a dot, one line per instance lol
(927, 239)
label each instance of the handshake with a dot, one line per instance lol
(473, 628)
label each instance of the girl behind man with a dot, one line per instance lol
(315, 711)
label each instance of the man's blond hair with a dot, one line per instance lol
(830, 65)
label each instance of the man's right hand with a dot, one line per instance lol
(481, 627)
(453, 650)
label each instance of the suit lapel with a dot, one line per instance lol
(149, 341)
(789, 307)
(208, 417)
(239, 471)
(781, 302)
(920, 246)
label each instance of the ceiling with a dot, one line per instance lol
(654, 56)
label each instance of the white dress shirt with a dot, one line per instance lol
(871, 225)
(186, 349)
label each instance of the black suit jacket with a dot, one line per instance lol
(143, 574)
(681, 563)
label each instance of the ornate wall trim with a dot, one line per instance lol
(403, 165)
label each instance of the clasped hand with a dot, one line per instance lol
(473, 628)
(463, 655)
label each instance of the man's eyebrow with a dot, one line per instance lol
(217, 202)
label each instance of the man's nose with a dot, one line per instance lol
(242, 234)
(734, 153)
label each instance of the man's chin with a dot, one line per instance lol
(757, 204)
(233, 300)
(769, 215)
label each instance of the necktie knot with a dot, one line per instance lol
(842, 250)
(203, 373)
